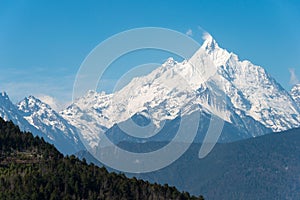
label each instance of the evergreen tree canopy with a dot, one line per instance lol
(30, 168)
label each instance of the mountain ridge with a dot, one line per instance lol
(265, 167)
(213, 81)
(34, 116)
(295, 92)
(251, 96)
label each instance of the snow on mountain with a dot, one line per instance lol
(252, 90)
(8, 111)
(36, 117)
(295, 92)
(213, 81)
(163, 94)
(253, 100)
(51, 124)
(86, 115)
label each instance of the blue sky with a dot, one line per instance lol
(43, 43)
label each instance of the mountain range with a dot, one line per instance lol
(213, 82)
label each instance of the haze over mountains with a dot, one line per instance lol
(252, 102)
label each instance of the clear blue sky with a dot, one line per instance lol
(43, 43)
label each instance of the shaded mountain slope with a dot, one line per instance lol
(266, 167)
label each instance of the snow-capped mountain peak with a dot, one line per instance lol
(35, 116)
(4, 95)
(252, 90)
(4, 99)
(32, 104)
(41, 116)
(170, 62)
(8, 111)
(254, 100)
(219, 55)
(295, 92)
(209, 43)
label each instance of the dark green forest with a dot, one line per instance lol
(30, 168)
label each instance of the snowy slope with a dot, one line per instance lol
(252, 90)
(295, 92)
(51, 124)
(86, 115)
(9, 111)
(253, 100)
(36, 117)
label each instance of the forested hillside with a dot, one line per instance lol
(30, 168)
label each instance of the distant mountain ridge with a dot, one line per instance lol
(295, 92)
(34, 116)
(265, 167)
